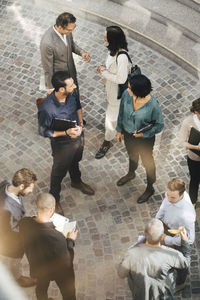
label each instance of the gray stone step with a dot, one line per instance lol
(183, 13)
(169, 27)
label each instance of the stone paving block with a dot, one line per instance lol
(110, 221)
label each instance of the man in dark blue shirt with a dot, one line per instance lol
(67, 146)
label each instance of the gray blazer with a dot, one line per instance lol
(55, 56)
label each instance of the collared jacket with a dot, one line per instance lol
(11, 212)
(151, 271)
(115, 73)
(56, 56)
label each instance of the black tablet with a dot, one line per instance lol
(62, 125)
(194, 139)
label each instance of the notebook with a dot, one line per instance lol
(194, 139)
(141, 239)
(62, 224)
(62, 125)
(147, 127)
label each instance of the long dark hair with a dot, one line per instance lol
(116, 39)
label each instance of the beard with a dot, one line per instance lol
(23, 193)
(65, 94)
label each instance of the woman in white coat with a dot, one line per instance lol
(114, 72)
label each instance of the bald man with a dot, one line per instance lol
(150, 267)
(49, 253)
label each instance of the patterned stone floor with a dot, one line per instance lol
(111, 220)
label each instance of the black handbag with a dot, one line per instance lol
(135, 70)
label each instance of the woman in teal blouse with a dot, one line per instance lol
(137, 110)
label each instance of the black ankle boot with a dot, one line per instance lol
(146, 195)
(128, 177)
(103, 149)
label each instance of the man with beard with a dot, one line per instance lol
(67, 145)
(11, 212)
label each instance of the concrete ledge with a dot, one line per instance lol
(194, 4)
(148, 41)
(133, 33)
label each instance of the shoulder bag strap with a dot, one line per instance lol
(126, 53)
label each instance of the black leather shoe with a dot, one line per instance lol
(128, 177)
(103, 150)
(146, 195)
(83, 187)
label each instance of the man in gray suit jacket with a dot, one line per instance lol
(56, 49)
(11, 212)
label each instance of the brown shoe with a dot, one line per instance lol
(83, 187)
(146, 195)
(59, 209)
(25, 281)
(128, 177)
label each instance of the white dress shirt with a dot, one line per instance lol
(63, 37)
(174, 215)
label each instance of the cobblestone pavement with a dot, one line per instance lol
(111, 220)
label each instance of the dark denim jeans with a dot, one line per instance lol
(66, 156)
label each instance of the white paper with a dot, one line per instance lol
(69, 227)
(59, 221)
(62, 224)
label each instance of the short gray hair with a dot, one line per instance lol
(154, 231)
(45, 201)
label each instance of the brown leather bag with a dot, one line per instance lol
(39, 102)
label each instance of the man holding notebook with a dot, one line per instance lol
(177, 211)
(67, 143)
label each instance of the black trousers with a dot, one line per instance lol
(194, 169)
(142, 147)
(67, 288)
(66, 156)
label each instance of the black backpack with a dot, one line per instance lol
(135, 70)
